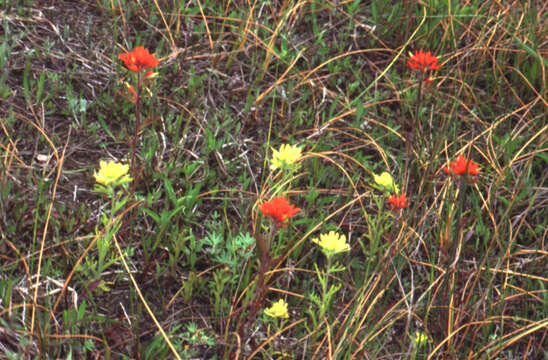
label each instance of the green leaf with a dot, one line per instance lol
(153, 215)
(81, 311)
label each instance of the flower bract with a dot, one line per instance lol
(278, 309)
(398, 202)
(132, 91)
(462, 166)
(386, 182)
(423, 61)
(286, 157)
(279, 209)
(112, 173)
(138, 59)
(332, 243)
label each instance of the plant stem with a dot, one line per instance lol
(137, 127)
(325, 288)
(260, 288)
(419, 100)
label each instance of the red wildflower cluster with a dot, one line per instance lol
(279, 209)
(462, 166)
(423, 61)
(138, 59)
(398, 202)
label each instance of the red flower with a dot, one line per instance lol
(423, 61)
(279, 209)
(462, 166)
(398, 202)
(138, 59)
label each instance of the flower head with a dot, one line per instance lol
(278, 309)
(138, 59)
(462, 166)
(423, 61)
(286, 157)
(332, 243)
(279, 209)
(386, 182)
(419, 339)
(398, 202)
(112, 173)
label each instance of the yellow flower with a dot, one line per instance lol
(286, 157)
(112, 173)
(332, 243)
(386, 182)
(278, 309)
(420, 338)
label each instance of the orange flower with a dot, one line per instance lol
(138, 59)
(398, 202)
(423, 61)
(462, 166)
(279, 209)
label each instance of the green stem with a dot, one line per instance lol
(325, 289)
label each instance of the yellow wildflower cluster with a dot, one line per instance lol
(112, 173)
(420, 338)
(286, 157)
(332, 243)
(278, 309)
(386, 182)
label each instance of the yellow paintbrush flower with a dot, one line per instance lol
(332, 243)
(286, 157)
(386, 182)
(278, 309)
(419, 339)
(112, 173)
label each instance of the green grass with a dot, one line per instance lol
(185, 265)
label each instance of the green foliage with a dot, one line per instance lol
(187, 339)
(230, 252)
